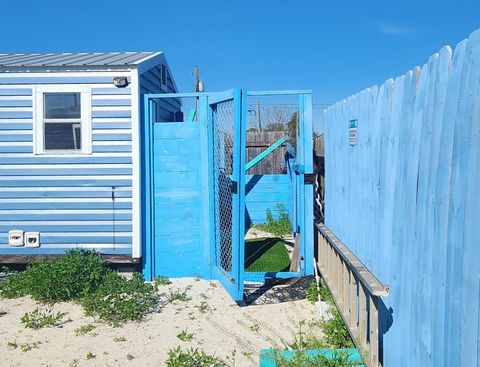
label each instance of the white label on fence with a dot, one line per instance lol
(352, 132)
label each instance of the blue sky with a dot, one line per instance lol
(334, 48)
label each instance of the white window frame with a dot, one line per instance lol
(85, 119)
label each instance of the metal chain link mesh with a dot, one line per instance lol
(223, 128)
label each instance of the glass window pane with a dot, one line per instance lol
(62, 136)
(61, 105)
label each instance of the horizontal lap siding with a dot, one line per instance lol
(68, 199)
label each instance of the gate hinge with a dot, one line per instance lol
(234, 187)
(309, 178)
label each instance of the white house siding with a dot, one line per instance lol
(73, 201)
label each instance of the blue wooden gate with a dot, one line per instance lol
(227, 129)
(193, 188)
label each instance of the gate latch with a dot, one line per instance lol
(234, 187)
(309, 178)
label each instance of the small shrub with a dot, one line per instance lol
(130, 357)
(278, 227)
(185, 336)
(85, 329)
(38, 319)
(192, 357)
(336, 332)
(161, 280)
(90, 355)
(118, 299)
(70, 277)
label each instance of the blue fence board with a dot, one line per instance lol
(405, 199)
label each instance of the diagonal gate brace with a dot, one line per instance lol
(266, 152)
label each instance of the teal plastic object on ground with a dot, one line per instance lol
(266, 152)
(267, 356)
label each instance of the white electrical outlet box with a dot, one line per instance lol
(15, 237)
(32, 239)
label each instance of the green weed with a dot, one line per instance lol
(119, 339)
(85, 329)
(204, 308)
(161, 280)
(278, 227)
(178, 295)
(185, 336)
(38, 319)
(118, 299)
(192, 357)
(90, 355)
(130, 357)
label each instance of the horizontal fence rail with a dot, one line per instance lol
(355, 291)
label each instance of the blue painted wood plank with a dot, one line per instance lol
(111, 102)
(40, 192)
(176, 130)
(15, 114)
(65, 226)
(110, 125)
(15, 91)
(111, 148)
(25, 136)
(16, 125)
(61, 181)
(28, 216)
(64, 204)
(106, 91)
(174, 179)
(106, 114)
(69, 238)
(112, 137)
(117, 250)
(15, 102)
(64, 159)
(16, 148)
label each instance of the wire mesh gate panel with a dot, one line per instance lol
(228, 157)
(290, 112)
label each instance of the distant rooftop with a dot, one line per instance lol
(77, 59)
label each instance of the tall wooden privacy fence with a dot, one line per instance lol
(257, 142)
(402, 165)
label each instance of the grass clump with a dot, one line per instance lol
(178, 295)
(38, 319)
(83, 277)
(192, 357)
(85, 329)
(118, 299)
(279, 226)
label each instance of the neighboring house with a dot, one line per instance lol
(70, 137)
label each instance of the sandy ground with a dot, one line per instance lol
(226, 329)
